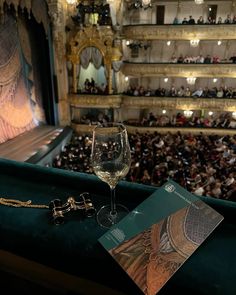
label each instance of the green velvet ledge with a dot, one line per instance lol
(74, 248)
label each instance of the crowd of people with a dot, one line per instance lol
(199, 59)
(208, 21)
(91, 87)
(173, 91)
(203, 164)
(224, 120)
(92, 119)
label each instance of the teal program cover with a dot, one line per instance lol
(158, 236)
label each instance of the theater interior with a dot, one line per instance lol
(166, 70)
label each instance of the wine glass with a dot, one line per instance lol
(111, 159)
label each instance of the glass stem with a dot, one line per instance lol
(113, 202)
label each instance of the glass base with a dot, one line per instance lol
(106, 219)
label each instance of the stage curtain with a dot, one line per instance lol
(16, 114)
(32, 71)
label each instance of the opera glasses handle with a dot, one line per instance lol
(84, 205)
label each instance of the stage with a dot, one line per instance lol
(38, 146)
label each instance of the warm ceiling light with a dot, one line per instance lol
(234, 115)
(146, 2)
(163, 111)
(215, 80)
(191, 80)
(219, 42)
(168, 43)
(71, 1)
(188, 113)
(210, 113)
(166, 80)
(126, 78)
(199, 1)
(194, 43)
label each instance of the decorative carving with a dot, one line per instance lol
(180, 32)
(100, 37)
(94, 101)
(179, 70)
(118, 101)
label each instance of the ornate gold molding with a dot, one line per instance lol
(86, 129)
(101, 37)
(180, 32)
(177, 103)
(95, 101)
(164, 130)
(220, 70)
(144, 102)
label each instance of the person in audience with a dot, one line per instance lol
(233, 58)
(200, 21)
(207, 59)
(209, 20)
(187, 92)
(215, 59)
(175, 21)
(180, 92)
(220, 93)
(197, 93)
(191, 20)
(220, 21)
(180, 59)
(228, 19)
(173, 59)
(200, 59)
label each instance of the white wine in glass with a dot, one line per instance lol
(111, 162)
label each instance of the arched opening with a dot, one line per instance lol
(91, 73)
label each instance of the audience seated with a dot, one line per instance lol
(203, 164)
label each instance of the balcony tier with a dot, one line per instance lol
(180, 32)
(221, 70)
(142, 102)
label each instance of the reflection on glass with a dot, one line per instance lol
(111, 162)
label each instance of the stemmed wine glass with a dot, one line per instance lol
(110, 161)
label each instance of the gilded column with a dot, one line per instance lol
(57, 9)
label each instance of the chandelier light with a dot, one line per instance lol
(194, 43)
(234, 115)
(191, 80)
(188, 113)
(146, 2)
(71, 1)
(199, 1)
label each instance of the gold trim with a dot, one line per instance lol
(227, 70)
(94, 101)
(183, 103)
(103, 39)
(86, 129)
(180, 32)
(143, 102)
